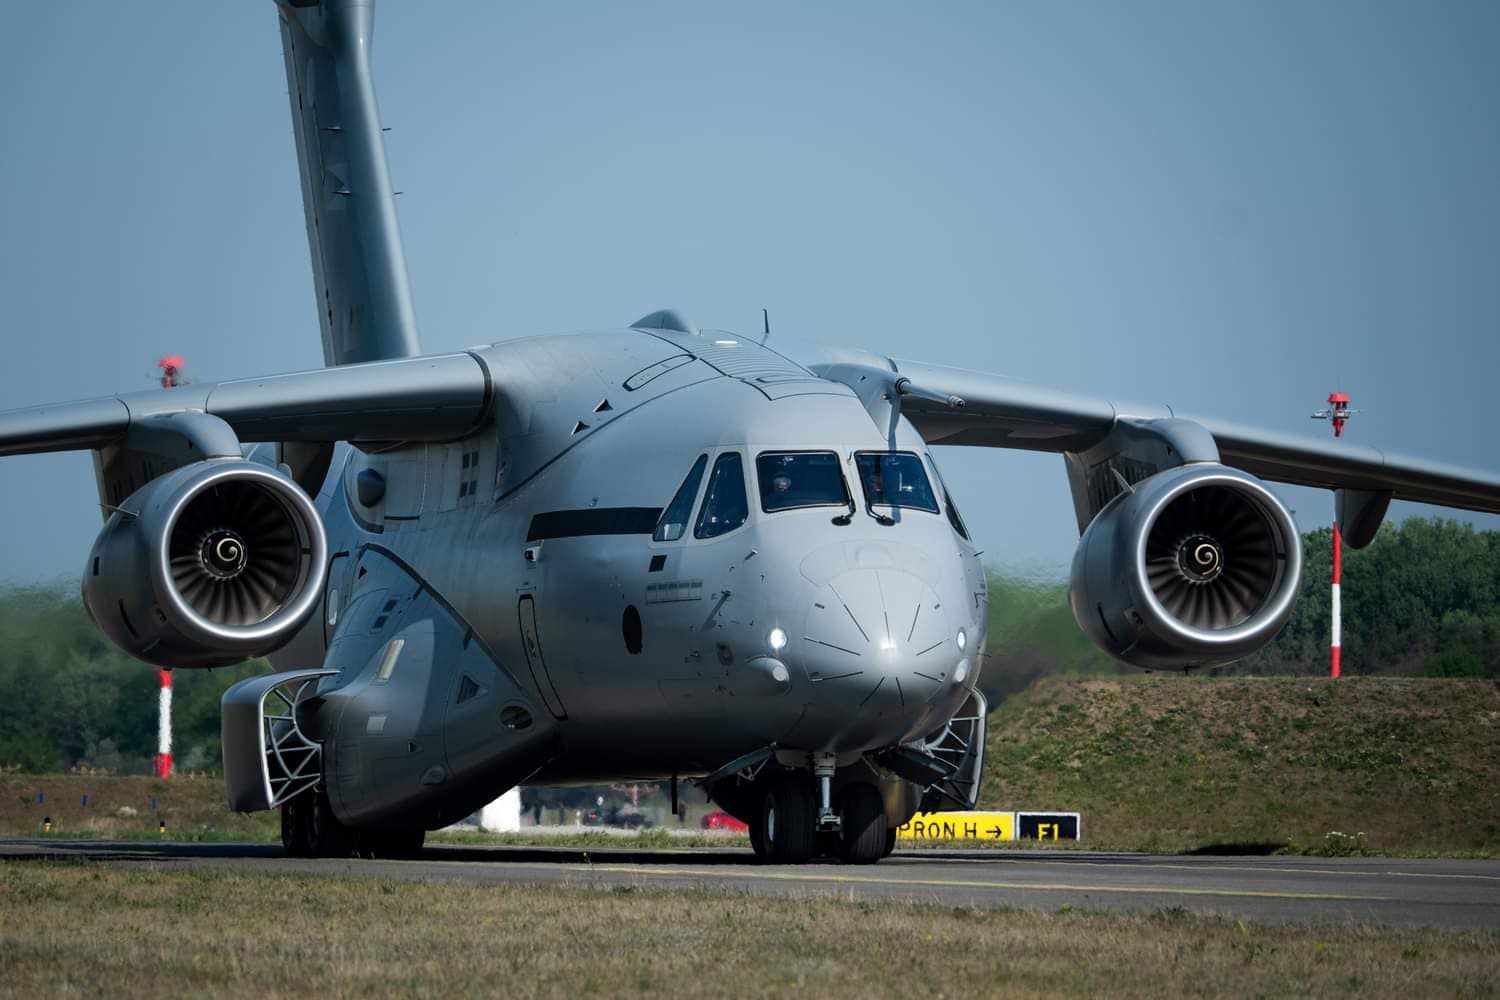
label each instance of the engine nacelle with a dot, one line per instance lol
(1196, 565)
(210, 564)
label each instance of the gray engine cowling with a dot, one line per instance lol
(210, 564)
(1196, 565)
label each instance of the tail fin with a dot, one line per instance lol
(359, 268)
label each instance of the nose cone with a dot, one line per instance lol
(878, 644)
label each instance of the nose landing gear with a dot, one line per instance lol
(799, 820)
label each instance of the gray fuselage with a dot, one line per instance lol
(655, 656)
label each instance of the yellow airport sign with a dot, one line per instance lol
(959, 826)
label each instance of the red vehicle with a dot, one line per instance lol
(723, 821)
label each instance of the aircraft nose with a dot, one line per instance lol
(881, 639)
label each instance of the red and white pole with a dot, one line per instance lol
(164, 727)
(1338, 413)
(1338, 611)
(171, 376)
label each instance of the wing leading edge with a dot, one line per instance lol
(999, 412)
(412, 399)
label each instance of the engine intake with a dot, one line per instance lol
(209, 564)
(1196, 565)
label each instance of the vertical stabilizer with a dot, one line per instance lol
(359, 268)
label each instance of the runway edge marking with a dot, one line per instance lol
(965, 883)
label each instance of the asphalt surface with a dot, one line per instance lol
(1387, 891)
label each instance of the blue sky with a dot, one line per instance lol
(1230, 207)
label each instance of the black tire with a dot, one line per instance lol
(391, 843)
(788, 820)
(864, 826)
(325, 836)
(890, 842)
(758, 838)
(293, 834)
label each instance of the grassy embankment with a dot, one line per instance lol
(1157, 762)
(119, 806)
(1164, 762)
(117, 930)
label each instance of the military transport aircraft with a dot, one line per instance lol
(654, 552)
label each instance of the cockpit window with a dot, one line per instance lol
(724, 505)
(674, 519)
(800, 479)
(948, 507)
(894, 479)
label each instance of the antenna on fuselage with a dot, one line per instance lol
(765, 318)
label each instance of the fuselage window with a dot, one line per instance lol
(674, 519)
(948, 506)
(724, 505)
(800, 479)
(894, 479)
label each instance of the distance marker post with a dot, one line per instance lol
(164, 727)
(171, 377)
(1337, 414)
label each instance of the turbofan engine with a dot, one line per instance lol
(210, 564)
(1195, 565)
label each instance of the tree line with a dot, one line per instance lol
(1422, 599)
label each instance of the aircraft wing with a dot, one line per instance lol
(993, 411)
(411, 399)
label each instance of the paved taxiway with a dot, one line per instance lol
(1411, 892)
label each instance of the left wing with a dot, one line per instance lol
(954, 406)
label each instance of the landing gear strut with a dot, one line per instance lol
(823, 766)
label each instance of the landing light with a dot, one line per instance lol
(776, 640)
(961, 672)
(963, 640)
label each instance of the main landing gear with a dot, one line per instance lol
(309, 829)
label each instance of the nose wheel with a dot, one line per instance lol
(865, 831)
(789, 828)
(786, 829)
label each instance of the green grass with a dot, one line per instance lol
(114, 930)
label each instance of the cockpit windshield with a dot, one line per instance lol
(791, 479)
(724, 505)
(674, 520)
(894, 479)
